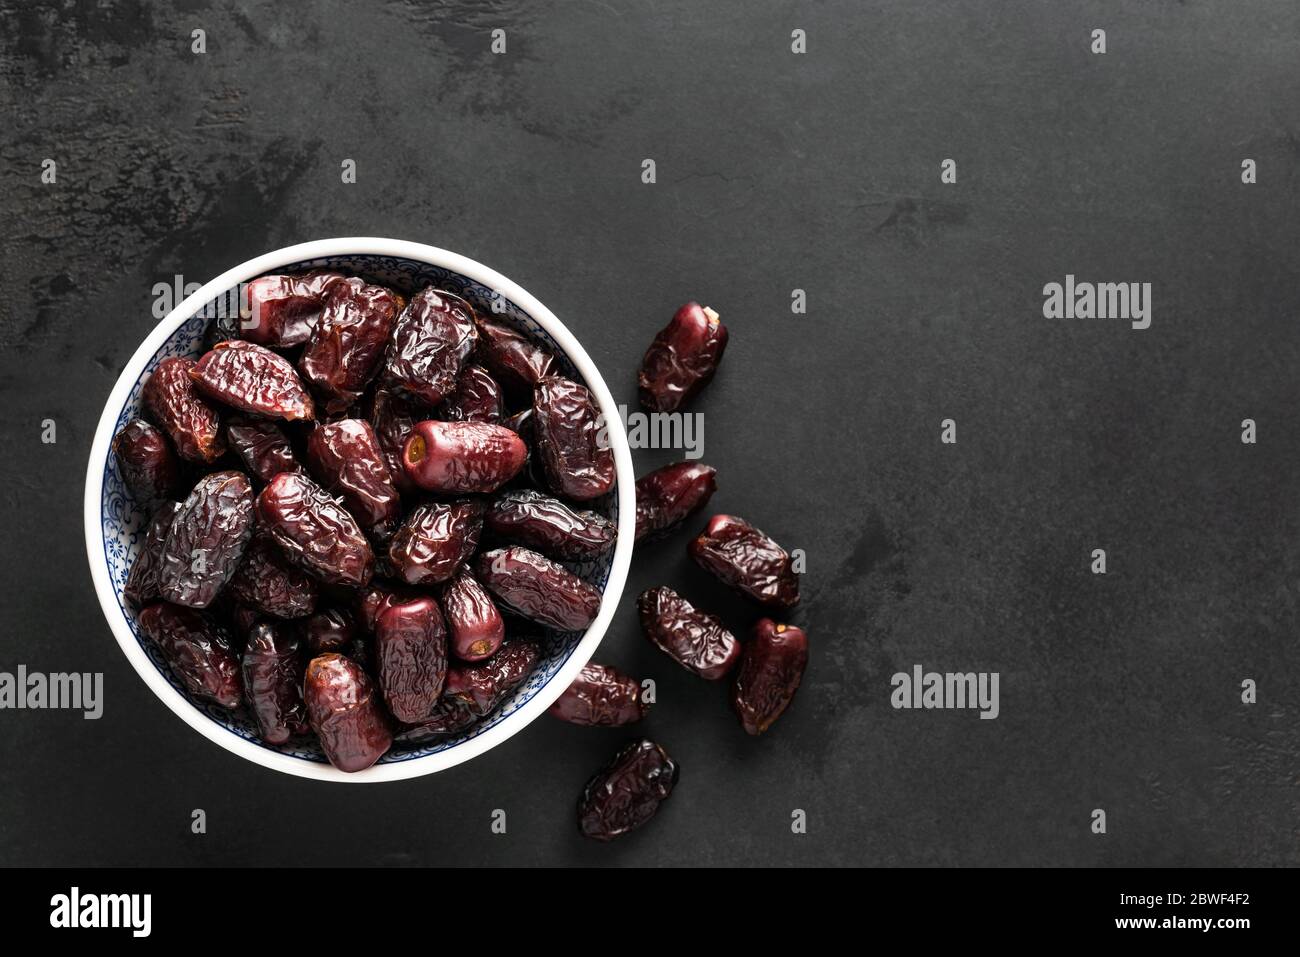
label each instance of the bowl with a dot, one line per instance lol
(115, 527)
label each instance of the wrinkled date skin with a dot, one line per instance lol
(627, 792)
(374, 601)
(475, 627)
(770, 671)
(567, 432)
(435, 540)
(172, 403)
(197, 650)
(668, 496)
(547, 525)
(267, 582)
(695, 640)
(477, 398)
(345, 457)
(147, 463)
(682, 358)
(600, 697)
(448, 718)
(261, 445)
(206, 540)
(517, 362)
(314, 531)
(343, 710)
(252, 378)
(433, 338)
(142, 581)
(741, 556)
(272, 665)
(282, 311)
(538, 589)
(348, 343)
(411, 653)
(329, 630)
(481, 687)
(460, 457)
(393, 417)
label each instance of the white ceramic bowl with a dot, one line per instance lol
(115, 527)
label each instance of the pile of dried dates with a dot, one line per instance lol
(363, 508)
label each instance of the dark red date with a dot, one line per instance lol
(448, 718)
(600, 697)
(741, 556)
(482, 687)
(345, 457)
(668, 496)
(682, 358)
(517, 362)
(431, 342)
(206, 540)
(771, 669)
(252, 378)
(267, 582)
(626, 793)
(142, 581)
(282, 311)
(272, 668)
(435, 540)
(343, 710)
(475, 627)
(694, 639)
(373, 601)
(532, 585)
(547, 525)
(314, 531)
(460, 457)
(172, 402)
(570, 439)
(198, 651)
(411, 654)
(347, 346)
(147, 463)
(331, 630)
(261, 445)
(477, 398)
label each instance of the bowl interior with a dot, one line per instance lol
(124, 525)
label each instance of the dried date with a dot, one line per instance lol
(770, 671)
(343, 710)
(198, 651)
(682, 358)
(600, 696)
(431, 342)
(252, 378)
(142, 581)
(547, 525)
(147, 463)
(435, 540)
(272, 667)
(475, 627)
(314, 531)
(460, 457)
(206, 540)
(345, 457)
(743, 557)
(483, 686)
(347, 346)
(668, 496)
(570, 440)
(329, 630)
(411, 654)
(267, 582)
(517, 362)
(626, 793)
(477, 398)
(537, 588)
(261, 445)
(172, 402)
(282, 311)
(694, 639)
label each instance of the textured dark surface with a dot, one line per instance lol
(775, 171)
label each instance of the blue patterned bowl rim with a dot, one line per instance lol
(114, 527)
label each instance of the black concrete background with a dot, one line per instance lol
(775, 171)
